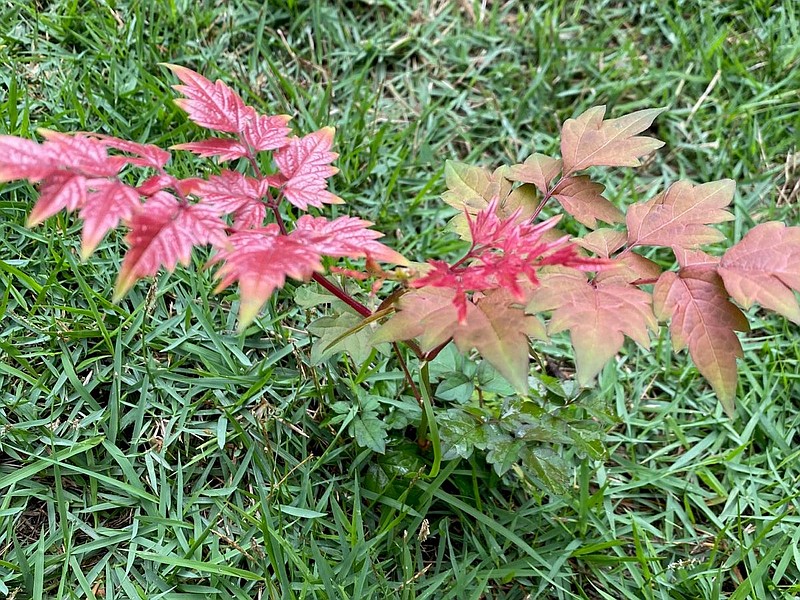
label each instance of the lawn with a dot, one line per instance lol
(148, 450)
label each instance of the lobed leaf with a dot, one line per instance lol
(260, 259)
(764, 267)
(583, 199)
(679, 217)
(108, 202)
(164, 232)
(496, 326)
(597, 316)
(231, 192)
(589, 141)
(705, 321)
(211, 105)
(305, 165)
(343, 236)
(538, 169)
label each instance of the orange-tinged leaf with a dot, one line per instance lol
(583, 199)
(164, 232)
(603, 242)
(427, 314)
(705, 321)
(499, 331)
(496, 327)
(597, 316)
(589, 141)
(629, 268)
(680, 216)
(538, 169)
(765, 267)
(305, 163)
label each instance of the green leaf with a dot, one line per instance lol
(548, 467)
(455, 387)
(331, 341)
(370, 432)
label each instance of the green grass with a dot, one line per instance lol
(148, 451)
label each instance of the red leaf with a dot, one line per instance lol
(704, 320)
(582, 198)
(60, 189)
(235, 193)
(344, 236)
(211, 105)
(267, 132)
(305, 163)
(597, 317)
(222, 148)
(24, 159)
(260, 260)
(163, 233)
(680, 216)
(589, 141)
(80, 154)
(107, 204)
(765, 267)
(146, 155)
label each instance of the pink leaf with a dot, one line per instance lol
(211, 105)
(344, 236)
(80, 154)
(305, 163)
(60, 190)
(146, 155)
(223, 148)
(24, 159)
(260, 260)
(108, 203)
(267, 132)
(164, 233)
(231, 191)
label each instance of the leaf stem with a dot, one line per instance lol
(547, 197)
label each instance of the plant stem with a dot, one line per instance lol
(428, 421)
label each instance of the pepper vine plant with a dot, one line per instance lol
(520, 279)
